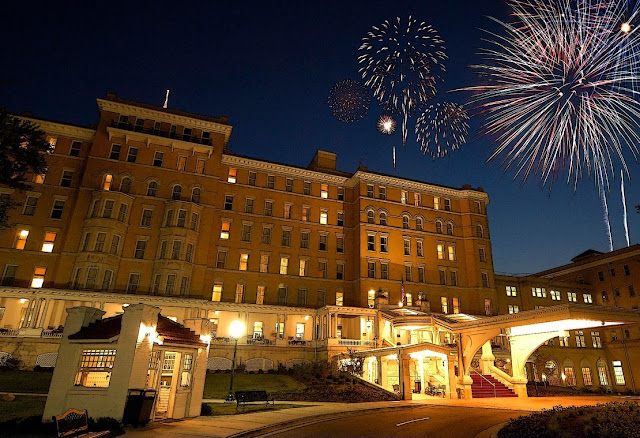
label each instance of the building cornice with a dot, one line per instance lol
(282, 169)
(390, 181)
(587, 264)
(160, 116)
(56, 129)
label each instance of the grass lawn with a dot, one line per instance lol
(217, 384)
(25, 381)
(22, 407)
(230, 408)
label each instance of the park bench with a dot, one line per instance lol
(244, 398)
(75, 423)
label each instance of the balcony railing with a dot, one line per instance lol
(30, 333)
(160, 133)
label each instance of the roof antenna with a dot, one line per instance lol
(166, 100)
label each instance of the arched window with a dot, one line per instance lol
(125, 185)
(405, 222)
(370, 216)
(479, 231)
(449, 228)
(177, 192)
(152, 188)
(419, 224)
(439, 227)
(195, 195)
(383, 218)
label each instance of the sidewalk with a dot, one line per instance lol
(236, 425)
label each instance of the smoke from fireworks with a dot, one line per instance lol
(556, 91)
(442, 128)
(349, 101)
(401, 62)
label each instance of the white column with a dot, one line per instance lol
(43, 317)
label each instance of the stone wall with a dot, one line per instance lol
(28, 349)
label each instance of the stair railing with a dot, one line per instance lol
(487, 380)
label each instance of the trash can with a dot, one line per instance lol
(137, 411)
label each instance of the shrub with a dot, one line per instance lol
(206, 410)
(106, 423)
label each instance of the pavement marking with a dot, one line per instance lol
(413, 421)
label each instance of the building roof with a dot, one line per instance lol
(585, 254)
(591, 258)
(168, 330)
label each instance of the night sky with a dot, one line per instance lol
(268, 67)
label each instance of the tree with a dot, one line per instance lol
(353, 363)
(23, 147)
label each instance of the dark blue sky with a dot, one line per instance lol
(268, 67)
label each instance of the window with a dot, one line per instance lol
(485, 279)
(370, 216)
(200, 164)
(304, 239)
(266, 235)
(487, 307)
(617, 372)
(286, 238)
(195, 195)
(371, 242)
(409, 299)
(194, 221)
(115, 244)
(587, 298)
(85, 242)
(189, 253)
(322, 269)
(246, 233)
(403, 196)
(271, 181)
(586, 376)
(303, 267)
(416, 199)
(176, 194)
(115, 152)
(407, 247)
(421, 277)
(452, 252)
(182, 218)
(444, 305)
(139, 125)
(268, 208)
(513, 308)
(600, 276)
(284, 265)
(595, 339)
(384, 243)
(252, 178)
(447, 204)
(612, 271)
(228, 202)
(511, 291)
(436, 203)
(632, 291)
(405, 222)
(454, 278)
(322, 244)
(370, 190)
(479, 231)
(152, 188)
(58, 208)
(300, 330)
(482, 255)
(176, 249)
(539, 292)
(449, 228)
(605, 296)
(477, 207)
(106, 280)
(456, 305)
(216, 294)
(382, 193)
(383, 218)
(321, 298)
(555, 295)
(439, 227)
(340, 194)
(49, 240)
(95, 368)
(259, 300)
(371, 269)
(38, 277)
(157, 158)
(572, 297)
(340, 271)
(324, 191)
(287, 211)
(442, 275)
(440, 249)
(339, 298)
(122, 212)
(288, 185)
(282, 300)
(67, 177)
(306, 213)
(580, 340)
(419, 224)
(141, 246)
(626, 270)
(617, 292)
(340, 245)
(419, 248)
(30, 206)
(302, 301)
(264, 262)
(162, 252)
(125, 185)
(407, 273)
(323, 218)
(39, 179)
(99, 245)
(92, 275)
(171, 284)
(570, 376)
(132, 155)
(307, 188)
(107, 212)
(231, 178)
(145, 221)
(21, 239)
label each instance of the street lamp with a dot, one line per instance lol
(235, 330)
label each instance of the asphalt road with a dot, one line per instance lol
(422, 421)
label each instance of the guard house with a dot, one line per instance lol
(101, 360)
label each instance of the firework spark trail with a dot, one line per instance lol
(607, 224)
(557, 90)
(442, 128)
(349, 101)
(402, 62)
(387, 125)
(624, 208)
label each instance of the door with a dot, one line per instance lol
(166, 383)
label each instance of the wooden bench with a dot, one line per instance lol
(252, 397)
(75, 423)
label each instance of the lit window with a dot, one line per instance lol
(303, 268)
(595, 339)
(244, 261)
(39, 179)
(487, 307)
(617, 372)
(580, 340)
(287, 211)
(300, 331)
(323, 218)
(371, 296)
(38, 277)
(200, 163)
(403, 196)
(409, 299)
(260, 298)
(324, 191)
(436, 203)
(21, 239)
(440, 248)
(513, 308)
(224, 230)
(555, 295)
(444, 304)
(416, 199)
(570, 376)
(107, 182)
(452, 252)
(217, 292)
(182, 163)
(572, 297)
(49, 240)
(586, 376)
(239, 292)
(339, 298)
(456, 305)
(95, 368)
(306, 213)
(511, 291)
(284, 265)
(539, 292)
(587, 298)
(231, 178)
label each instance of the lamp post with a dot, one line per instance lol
(235, 330)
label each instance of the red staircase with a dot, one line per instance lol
(481, 388)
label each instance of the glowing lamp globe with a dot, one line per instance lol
(236, 329)
(625, 27)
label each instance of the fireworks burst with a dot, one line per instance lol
(386, 124)
(556, 89)
(442, 128)
(349, 101)
(401, 62)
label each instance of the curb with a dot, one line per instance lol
(491, 432)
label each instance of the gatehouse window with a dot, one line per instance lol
(95, 368)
